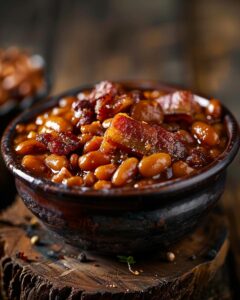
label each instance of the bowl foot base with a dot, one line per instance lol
(44, 266)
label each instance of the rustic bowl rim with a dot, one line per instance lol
(170, 187)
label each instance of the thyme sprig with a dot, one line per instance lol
(130, 261)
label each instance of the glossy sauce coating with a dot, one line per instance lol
(112, 137)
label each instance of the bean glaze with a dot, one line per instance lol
(113, 137)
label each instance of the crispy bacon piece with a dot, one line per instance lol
(179, 105)
(60, 144)
(84, 111)
(109, 99)
(143, 139)
(198, 157)
(107, 106)
(105, 88)
(104, 101)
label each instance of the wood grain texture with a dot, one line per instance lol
(231, 204)
(52, 268)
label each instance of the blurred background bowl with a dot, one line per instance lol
(8, 111)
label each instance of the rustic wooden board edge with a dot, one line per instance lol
(24, 278)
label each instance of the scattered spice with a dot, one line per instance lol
(112, 285)
(22, 256)
(52, 254)
(170, 256)
(82, 257)
(29, 231)
(211, 254)
(34, 222)
(35, 239)
(27, 218)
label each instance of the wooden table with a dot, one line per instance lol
(192, 43)
(35, 264)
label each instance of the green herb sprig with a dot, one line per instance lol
(129, 260)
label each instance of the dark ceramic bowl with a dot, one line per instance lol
(123, 220)
(8, 112)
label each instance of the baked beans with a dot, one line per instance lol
(112, 137)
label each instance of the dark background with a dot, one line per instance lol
(191, 43)
(195, 44)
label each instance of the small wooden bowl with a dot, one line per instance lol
(124, 220)
(8, 112)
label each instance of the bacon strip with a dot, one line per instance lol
(107, 106)
(61, 144)
(143, 139)
(179, 105)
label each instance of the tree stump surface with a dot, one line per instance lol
(51, 269)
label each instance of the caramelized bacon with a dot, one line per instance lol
(84, 111)
(107, 106)
(104, 101)
(142, 138)
(104, 88)
(198, 157)
(60, 144)
(114, 136)
(179, 105)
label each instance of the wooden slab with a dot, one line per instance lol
(52, 270)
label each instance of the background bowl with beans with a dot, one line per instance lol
(125, 219)
(24, 81)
